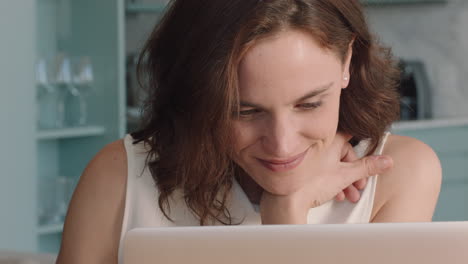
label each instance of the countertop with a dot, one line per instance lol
(429, 123)
(12, 257)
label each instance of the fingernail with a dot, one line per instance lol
(383, 163)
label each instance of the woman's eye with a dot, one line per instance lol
(310, 105)
(249, 112)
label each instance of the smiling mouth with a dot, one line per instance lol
(283, 165)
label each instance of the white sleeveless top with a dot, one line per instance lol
(142, 210)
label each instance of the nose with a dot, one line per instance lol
(280, 138)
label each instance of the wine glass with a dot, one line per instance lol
(64, 83)
(45, 95)
(42, 76)
(83, 80)
(63, 191)
(46, 200)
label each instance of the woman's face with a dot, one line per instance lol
(289, 90)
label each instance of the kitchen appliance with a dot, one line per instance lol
(415, 91)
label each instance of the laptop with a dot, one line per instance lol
(377, 243)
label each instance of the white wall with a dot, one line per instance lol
(437, 34)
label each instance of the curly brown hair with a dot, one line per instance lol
(189, 66)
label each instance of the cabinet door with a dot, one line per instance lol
(91, 32)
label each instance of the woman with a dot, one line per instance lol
(258, 112)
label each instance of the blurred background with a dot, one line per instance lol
(68, 87)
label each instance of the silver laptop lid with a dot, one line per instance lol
(383, 243)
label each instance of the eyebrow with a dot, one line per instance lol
(317, 91)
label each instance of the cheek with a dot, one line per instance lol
(324, 122)
(322, 125)
(243, 135)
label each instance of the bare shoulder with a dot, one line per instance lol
(94, 219)
(408, 151)
(416, 176)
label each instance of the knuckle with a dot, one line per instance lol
(368, 166)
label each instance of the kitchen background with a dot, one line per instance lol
(67, 88)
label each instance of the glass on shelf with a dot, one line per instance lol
(54, 195)
(63, 83)
(63, 87)
(83, 81)
(46, 95)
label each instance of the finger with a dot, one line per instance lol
(352, 194)
(369, 166)
(360, 184)
(350, 156)
(340, 196)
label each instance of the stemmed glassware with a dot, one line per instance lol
(45, 94)
(83, 80)
(54, 197)
(64, 84)
(65, 77)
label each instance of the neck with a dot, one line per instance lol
(250, 187)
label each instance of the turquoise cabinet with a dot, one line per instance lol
(43, 151)
(451, 145)
(77, 29)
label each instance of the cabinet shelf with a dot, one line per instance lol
(144, 8)
(72, 132)
(50, 229)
